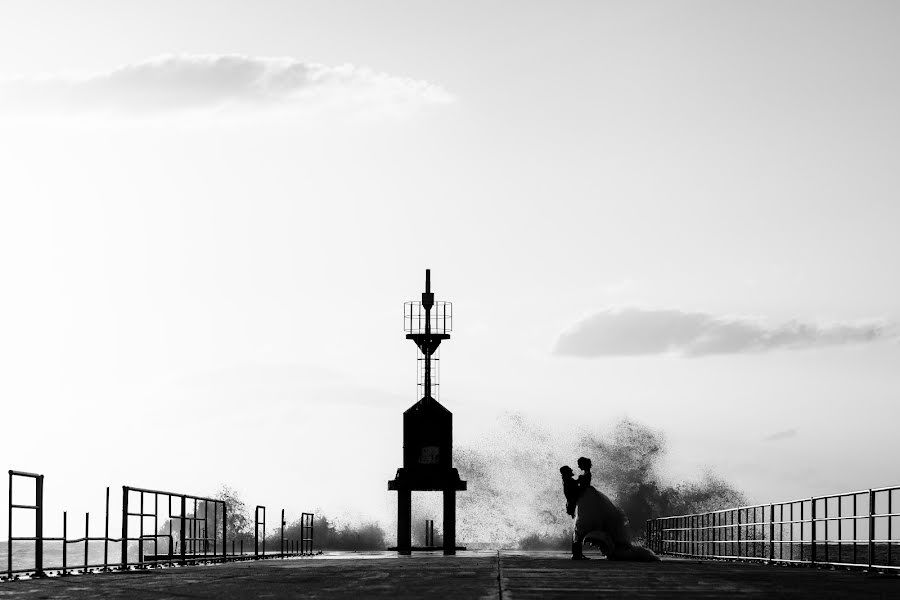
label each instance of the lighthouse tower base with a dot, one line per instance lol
(408, 481)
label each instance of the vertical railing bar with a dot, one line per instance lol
(106, 534)
(690, 535)
(855, 529)
(141, 535)
(771, 533)
(39, 527)
(840, 528)
(215, 528)
(871, 528)
(9, 537)
(195, 530)
(890, 520)
(170, 518)
(802, 519)
(812, 529)
(65, 545)
(678, 548)
(87, 519)
(156, 525)
(206, 525)
(224, 533)
(124, 528)
(695, 551)
(183, 532)
(791, 515)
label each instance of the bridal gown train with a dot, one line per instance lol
(603, 524)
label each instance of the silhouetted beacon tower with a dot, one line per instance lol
(427, 425)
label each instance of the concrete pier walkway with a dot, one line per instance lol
(507, 575)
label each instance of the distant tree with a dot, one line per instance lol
(238, 524)
(329, 535)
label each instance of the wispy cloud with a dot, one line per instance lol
(781, 435)
(637, 331)
(230, 83)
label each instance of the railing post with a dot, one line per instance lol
(738, 537)
(224, 534)
(10, 530)
(183, 532)
(715, 532)
(771, 533)
(871, 528)
(38, 527)
(65, 545)
(106, 534)
(812, 528)
(87, 521)
(282, 533)
(124, 528)
(693, 523)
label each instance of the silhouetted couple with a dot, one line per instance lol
(597, 520)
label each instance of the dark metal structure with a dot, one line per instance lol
(306, 533)
(851, 529)
(427, 425)
(193, 530)
(429, 533)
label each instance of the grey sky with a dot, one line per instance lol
(704, 158)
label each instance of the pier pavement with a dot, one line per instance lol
(504, 575)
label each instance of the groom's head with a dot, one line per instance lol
(566, 471)
(584, 463)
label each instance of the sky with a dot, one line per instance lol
(211, 213)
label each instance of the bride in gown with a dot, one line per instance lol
(601, 523)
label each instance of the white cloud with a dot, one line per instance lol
(229, 84)
(636, 331)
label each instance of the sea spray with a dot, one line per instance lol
(514, 497)
(628, 465)
(515, 493)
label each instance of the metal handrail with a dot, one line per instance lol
(723, 533)
(199, 537)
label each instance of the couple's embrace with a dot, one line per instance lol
(597, 520)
